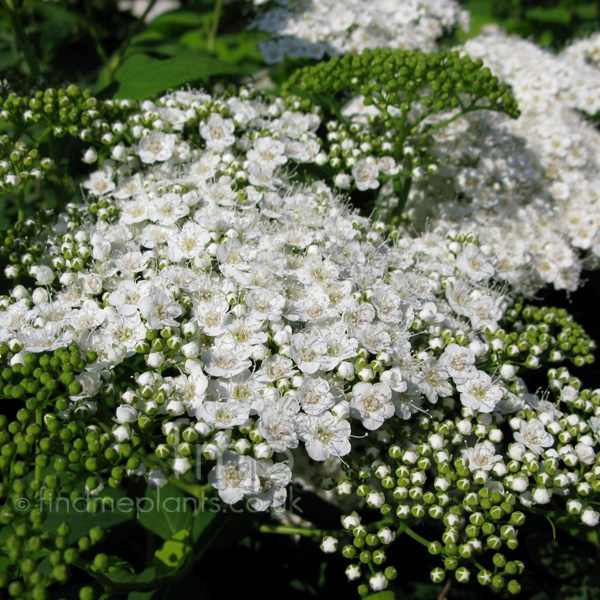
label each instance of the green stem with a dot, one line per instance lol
(21, 35)
(115, 62)
(462, 113)
(21, 205)
(286, 530)
(215, 25)
(196, 490)
(403, 191)
(404, 528)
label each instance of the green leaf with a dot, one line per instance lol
(115, 564)
(545, 40)
(125, 576)
(166, 510)
(174, 553)
(152, 42)
(119, 509)
(385, 595)
(55, 26)
(480, 8)
(178, 589)
(8, 566)
(588, 12)
(556, 14)
(174, 23)
(202, 521)
(232, 48)
(141, 76)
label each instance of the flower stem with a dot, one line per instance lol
(404, 528)
(287, 530)
(198, 491)
(22, 39)
(215, 25)
(21, 205)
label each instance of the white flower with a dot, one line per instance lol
(90, 156)
(234, 477)
(590, 517)
(226, 357)
(372, 403)
(268, 152)
(100, 183)
(585, 453)
(265, 304)
(218, 133)
(168, 209)
(533, 435)
(273, 480)
(157, 146)
(329, 544)
(482, 456)
(378, 582)
(159, 309)
(365, 175)
(127, 296)
(459, 361)
(43, 275)
(156, 479)
(181, 465)
(309, 352)
(353, 572)
(126, 414)
(472, 262)
(479, 393)
(315, 396)
(325, 435)
(541, 495)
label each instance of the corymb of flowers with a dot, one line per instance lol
(206, 316)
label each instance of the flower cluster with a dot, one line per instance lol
(211, 303)
(482, 173)
(268, 314)
(328, 27)
(473, 476)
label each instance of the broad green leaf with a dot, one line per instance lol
(545, 40)
(153, 42)
(556, 14)
(174, 23)
(385, 595)
(118, 509)
(125, 576)
(480, 8)
(190, 586)
(225, 529)
(115, 564)
(174, 553)
(233, 48)
(148, 76)
(166, 510)
(56, 24)
(588, 11)
(202, 521)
